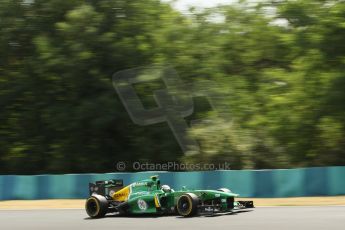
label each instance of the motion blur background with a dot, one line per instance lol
(283, 62)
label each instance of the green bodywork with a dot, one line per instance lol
(150, 189)
(149, 196)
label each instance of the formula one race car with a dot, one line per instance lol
(149, 196)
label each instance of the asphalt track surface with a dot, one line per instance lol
(275, 218)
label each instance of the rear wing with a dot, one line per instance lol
(106, 187)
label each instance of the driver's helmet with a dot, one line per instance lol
(166, 188)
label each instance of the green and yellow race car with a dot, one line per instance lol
(150, 197)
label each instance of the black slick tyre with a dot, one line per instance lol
(96, 206)
(187, 205)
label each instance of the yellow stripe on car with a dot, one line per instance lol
(122, 194)
(157, 204)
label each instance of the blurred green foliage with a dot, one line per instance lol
(282, 62)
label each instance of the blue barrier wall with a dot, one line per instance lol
(323, 181)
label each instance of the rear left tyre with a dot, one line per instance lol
(96, 206)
